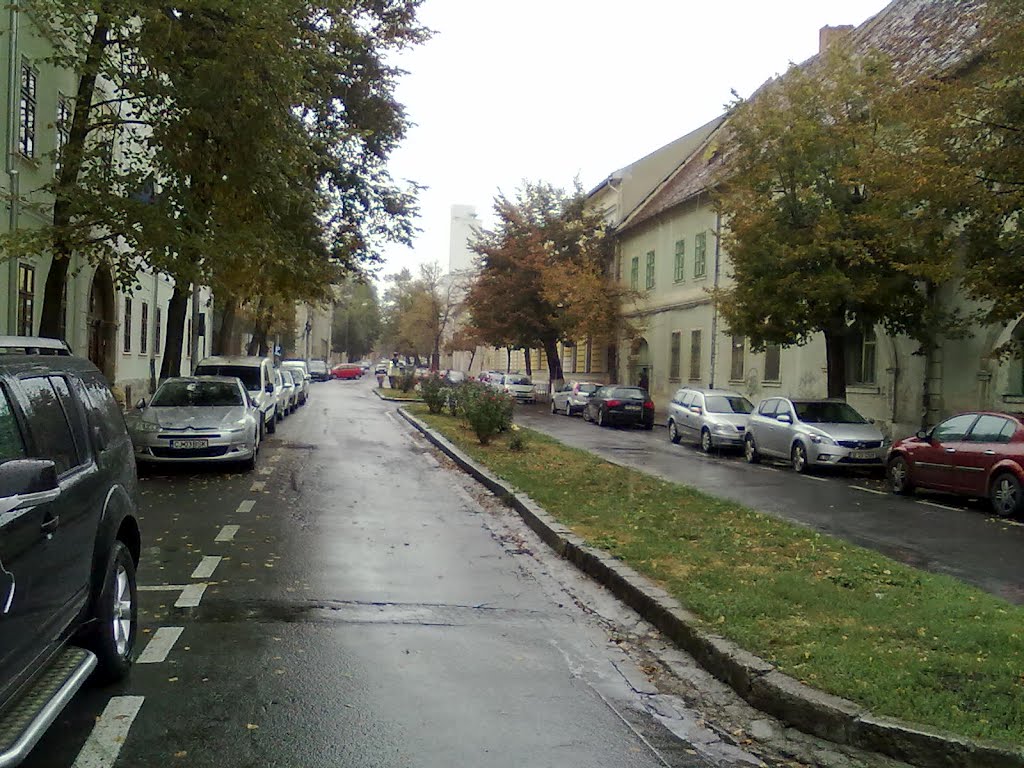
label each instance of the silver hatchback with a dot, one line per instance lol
(712, 418)
(813, 433)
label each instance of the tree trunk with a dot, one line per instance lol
(174, 332)
(472, 357)
(435, 358)
(225, 338)
(554, 363)
(71, 166)
(508, 359)
(835, 356)
(529, 363)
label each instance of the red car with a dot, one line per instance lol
(979, 454)
(347, 371)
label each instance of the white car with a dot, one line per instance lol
(259, 377)
(300, 375)
(519, 386)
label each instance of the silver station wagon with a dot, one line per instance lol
(813, 433)
(712, 418)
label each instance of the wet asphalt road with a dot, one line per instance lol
(367, 611)
(939, 533)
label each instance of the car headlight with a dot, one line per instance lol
(822, 440)
(723, 429)
(145, 427)
(238, 426)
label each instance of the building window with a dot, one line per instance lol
(680, 270)
(675, 355)
(649, 283)
(570, 358)
(26, 299)
(589, 359)
(634, 273)
(694, 355)
(700, 255)
(860, 357)
(144, 330)
(772, 362)
(126, 326)
(63, 127)
(27, 113)
(736, 369)
(157, 331)
(618, 268)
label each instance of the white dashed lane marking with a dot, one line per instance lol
(276, 458)
(108, 735)
(265, 471)
(206, 568)
(257, 486)
(227, 533)
(869, 490)
(246, 506)
(940, 506)
(161, 587)
(157, 649)
(191, 596)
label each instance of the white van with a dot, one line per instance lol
(258, 376)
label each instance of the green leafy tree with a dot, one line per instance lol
(977, 120)
(543, 273)
(356, 321)
(829, 224)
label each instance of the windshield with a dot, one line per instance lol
(297, 376)
(517, 380)
(728, 404)
(827, 413)
(587, 389)
(629, 393)
(190, 394)
(249, 375)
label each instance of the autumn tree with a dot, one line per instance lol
(832, 224)
(420, 312)
(544, 273)
(977, 120)
(357, 320)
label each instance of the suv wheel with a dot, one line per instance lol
(272, 424)
(600, 418)
(750, 450)
(705, 440)
(554, 408)
(1006, 495)
(673, 432)
(117, 617)
(798, 458)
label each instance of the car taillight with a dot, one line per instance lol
(612, 403)
(649, 405)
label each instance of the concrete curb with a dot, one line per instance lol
(757, 681)
(393, 399)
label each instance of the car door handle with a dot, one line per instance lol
(990, 453)
(951, 450)
(51, 525)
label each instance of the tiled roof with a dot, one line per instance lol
(920, 36)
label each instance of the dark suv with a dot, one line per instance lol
(69, 541)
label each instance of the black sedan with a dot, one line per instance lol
(616, 405)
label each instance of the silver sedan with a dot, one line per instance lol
(196, 418)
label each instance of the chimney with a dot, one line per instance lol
(828, 35)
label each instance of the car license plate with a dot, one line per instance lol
(863, 454)
(632, 407)
(186, 444)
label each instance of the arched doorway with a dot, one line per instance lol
(102, 322)
(640, 370)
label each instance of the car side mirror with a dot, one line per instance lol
(923, 434)
(269, 389)
(141, 404)
(785, 418)
(26, 483)
(697, 409)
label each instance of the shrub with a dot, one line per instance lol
(516, 441)
(406, 381)
(434, 390)
(487, 412)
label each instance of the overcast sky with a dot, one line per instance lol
(549, 90)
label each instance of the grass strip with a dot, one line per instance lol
(904, 643)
